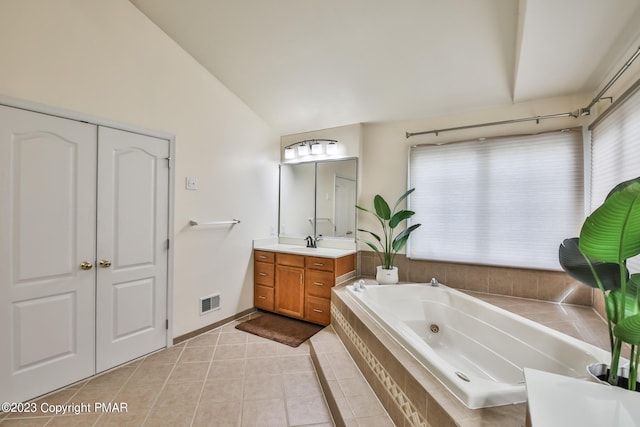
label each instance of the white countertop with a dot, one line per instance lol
(302, 250)
(559, 401)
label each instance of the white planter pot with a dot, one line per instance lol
(600, 369)
(386, 277)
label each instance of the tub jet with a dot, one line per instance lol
(463, 376)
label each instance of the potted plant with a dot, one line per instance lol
(386, 245)
(598, 258)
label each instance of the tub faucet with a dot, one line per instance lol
(311, 242)
(434, 281)
(358, 286)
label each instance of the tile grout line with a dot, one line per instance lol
(164, 384)
(204, 383)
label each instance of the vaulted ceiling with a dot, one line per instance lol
(304, 65)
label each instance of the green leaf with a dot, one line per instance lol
(612, 232)
(401, 238)
(576, 265)
(400, 216)
(615, 300)
(382, 208)
(628, 330)
(404, 196)
(372, 246)
(375, 236)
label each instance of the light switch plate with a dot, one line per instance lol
(191, 183)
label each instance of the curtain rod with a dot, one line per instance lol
(581, 112)
(502, 122)
(587, 110)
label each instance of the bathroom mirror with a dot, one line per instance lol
(318, 199)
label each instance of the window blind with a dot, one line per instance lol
(615, 149)
(507, 201)
(615, 153)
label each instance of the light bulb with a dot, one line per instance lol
(303, 150)
(316, 148)
(289, 153)
(332, 148)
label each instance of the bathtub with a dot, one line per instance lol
(476, 350)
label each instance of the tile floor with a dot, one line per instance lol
(225, 377)
(230, 378)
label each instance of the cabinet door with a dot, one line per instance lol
(289, 295)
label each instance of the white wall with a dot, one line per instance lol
(106, 59)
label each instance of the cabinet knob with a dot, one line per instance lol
(317, 310)
(318, 264)
(105, 263)
(318, 283)
(262, 297)
(86, 265)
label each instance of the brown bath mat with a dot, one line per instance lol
(282, 329)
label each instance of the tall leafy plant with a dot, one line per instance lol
(598, 258)
(385, 244)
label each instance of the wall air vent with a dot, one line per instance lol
(209, 303)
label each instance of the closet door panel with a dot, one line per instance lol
(133, 177)
(47, 229)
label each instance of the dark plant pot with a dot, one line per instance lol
(600, 372)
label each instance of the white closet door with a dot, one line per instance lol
(133, 206)
(47, 232)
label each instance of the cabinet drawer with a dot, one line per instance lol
(263, 273)
(318, 263)
(264, 256)
(319, 283)
(318, 310)
(263, 297)
(290, 259)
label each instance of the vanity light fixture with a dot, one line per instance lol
(310, 146)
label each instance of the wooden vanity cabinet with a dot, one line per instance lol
(300, 286)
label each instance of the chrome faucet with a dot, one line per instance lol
(359, 286)
(434, 281)
(311, 242)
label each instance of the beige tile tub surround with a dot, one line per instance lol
(224, 377)
(350, 398)
(553, 286)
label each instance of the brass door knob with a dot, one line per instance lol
(105, 263)
(86, 265)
